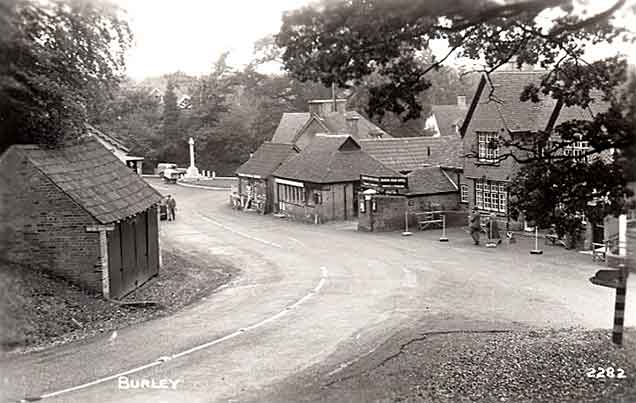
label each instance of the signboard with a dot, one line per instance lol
(384, 182)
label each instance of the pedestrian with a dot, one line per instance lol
(475, 225)
(493, 229)
(172, 206)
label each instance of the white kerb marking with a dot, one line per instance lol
(232, 230)
(189, 351)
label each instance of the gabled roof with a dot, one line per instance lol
(336, 122)
(332, 159)
(109, 139)
(292, 125)
(430, 180)
(410, 153)
(449, 118)
(94, 178)
(289, 127)
(267, 158)
(506, 111)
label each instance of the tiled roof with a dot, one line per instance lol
(94, 178)
(336, 122)
(267, 158)
(289, 126)
(449, 118)
(430, 180)
(110, 139)
(506, 111)
(410, 153)
(332, 159)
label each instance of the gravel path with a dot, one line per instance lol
(482, 366)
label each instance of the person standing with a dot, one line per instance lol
(475, 225)
(172, 206)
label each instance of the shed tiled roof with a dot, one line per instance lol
(430, 180)
(289, 127)
(94, 178)
(267, 158)
(332, 159)
(410, 153)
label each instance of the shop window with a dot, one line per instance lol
(491, 196)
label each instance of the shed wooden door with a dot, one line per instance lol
(133, 254)
(115, 266)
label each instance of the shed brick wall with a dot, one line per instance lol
(43, 227)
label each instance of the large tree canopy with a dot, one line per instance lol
(59, 60)
(344, 42)
(347, 41)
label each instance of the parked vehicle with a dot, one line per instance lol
(161, 167)
(171, 175)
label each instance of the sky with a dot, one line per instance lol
(189, 35)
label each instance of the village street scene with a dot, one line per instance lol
(318, 201)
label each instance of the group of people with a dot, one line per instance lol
(492, 227)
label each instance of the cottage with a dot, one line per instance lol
(322, 182)
(324, 116)
(81, 214)
(486, 176)
(255, 182)
(446, 120)
(118, 148)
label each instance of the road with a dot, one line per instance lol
(307, 295)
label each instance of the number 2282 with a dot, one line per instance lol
(608, 372)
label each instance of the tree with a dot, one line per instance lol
(170, 138)
(59, 61)
(344, 42)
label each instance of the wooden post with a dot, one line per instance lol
(406, 218)
(619, 308)
(443, 238)
(103, 254)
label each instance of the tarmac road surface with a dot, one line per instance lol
(306, 293)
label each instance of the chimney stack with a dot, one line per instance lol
(321, 107)
(352, 124)
(461, 101)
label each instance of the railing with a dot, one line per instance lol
(429, 219)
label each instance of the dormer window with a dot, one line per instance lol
(488, 146)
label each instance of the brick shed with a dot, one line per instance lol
(79, 213)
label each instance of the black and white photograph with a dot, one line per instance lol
(298, 201)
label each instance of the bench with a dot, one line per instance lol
(429, 219)
(599, 251)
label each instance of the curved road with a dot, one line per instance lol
(307, 293)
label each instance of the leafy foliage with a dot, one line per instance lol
(59, 61)
(347, 42)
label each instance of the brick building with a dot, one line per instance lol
(255, 182)
(81, 214)
(322, 182)
(485, 174)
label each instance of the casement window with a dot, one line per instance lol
(291, 194)
(463, 193)
(491, 196)
(577, 149)
(488, 147)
